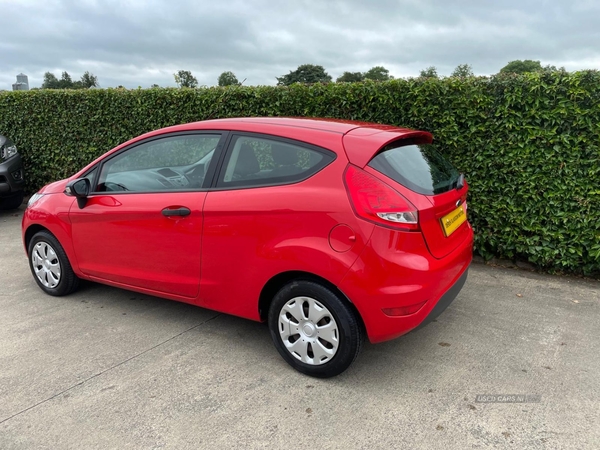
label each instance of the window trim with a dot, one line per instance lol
(220, 185)
(208, 179)
(95, 167)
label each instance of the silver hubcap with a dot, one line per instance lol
(308, 330)
(46, 264)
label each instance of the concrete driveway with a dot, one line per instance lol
(106, 368)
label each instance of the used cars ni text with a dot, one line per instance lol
(331, 231)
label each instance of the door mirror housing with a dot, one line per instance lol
(79, 189)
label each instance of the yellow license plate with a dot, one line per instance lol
(453, 220)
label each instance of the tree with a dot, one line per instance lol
(89, 80)
(549, 68)
(306, 73)
(184, 78)
(430, 72)
(350, 77)
(378, 73)
(518, 66)
(50, 81)
(228, 79)
(463, 71)
(65, 82)
(154, 86)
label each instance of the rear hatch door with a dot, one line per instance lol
(420, 169)
(412, 165)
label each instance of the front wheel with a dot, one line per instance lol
(314, 330)
(50, 266)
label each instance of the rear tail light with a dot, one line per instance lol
(375, 201)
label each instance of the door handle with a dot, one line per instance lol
(180, 211)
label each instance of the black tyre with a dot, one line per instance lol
(12, 202)
(314, 330)
(50, 266)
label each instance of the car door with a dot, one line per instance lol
(142, 225)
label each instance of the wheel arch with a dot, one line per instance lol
(280, 280)
(30, 232)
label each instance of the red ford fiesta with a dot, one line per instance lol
(329, 230)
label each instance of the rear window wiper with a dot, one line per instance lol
(460, 182)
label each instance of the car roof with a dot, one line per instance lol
(259, 124)
(316, 131)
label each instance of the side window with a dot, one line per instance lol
(92, 174)
(160, 165)
(257, 161)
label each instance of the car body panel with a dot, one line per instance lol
(438, 243)
(252, 235)
(431, 209)
(8, 185)
(126, 239)
(401, 272)
(52, 213)
(362, 144)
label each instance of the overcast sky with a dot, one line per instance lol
(140, 42)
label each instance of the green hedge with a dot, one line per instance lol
(529, 145)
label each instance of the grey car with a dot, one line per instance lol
(12, 179)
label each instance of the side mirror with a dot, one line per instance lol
(80, 189)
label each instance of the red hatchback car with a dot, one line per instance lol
(326, 229)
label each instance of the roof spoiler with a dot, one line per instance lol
(363, 144)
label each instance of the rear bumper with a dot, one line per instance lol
(9, 184)
(397, 271)
(446, 300)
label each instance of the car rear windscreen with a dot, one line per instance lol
(418, 167)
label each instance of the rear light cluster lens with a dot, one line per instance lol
(375, 201)
(403, 310)
(404, 217)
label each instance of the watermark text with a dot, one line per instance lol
(508, 398)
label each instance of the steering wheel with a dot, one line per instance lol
(109, 186)
(196, 175)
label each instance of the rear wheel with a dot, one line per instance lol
(50, 266)
(314, 330)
